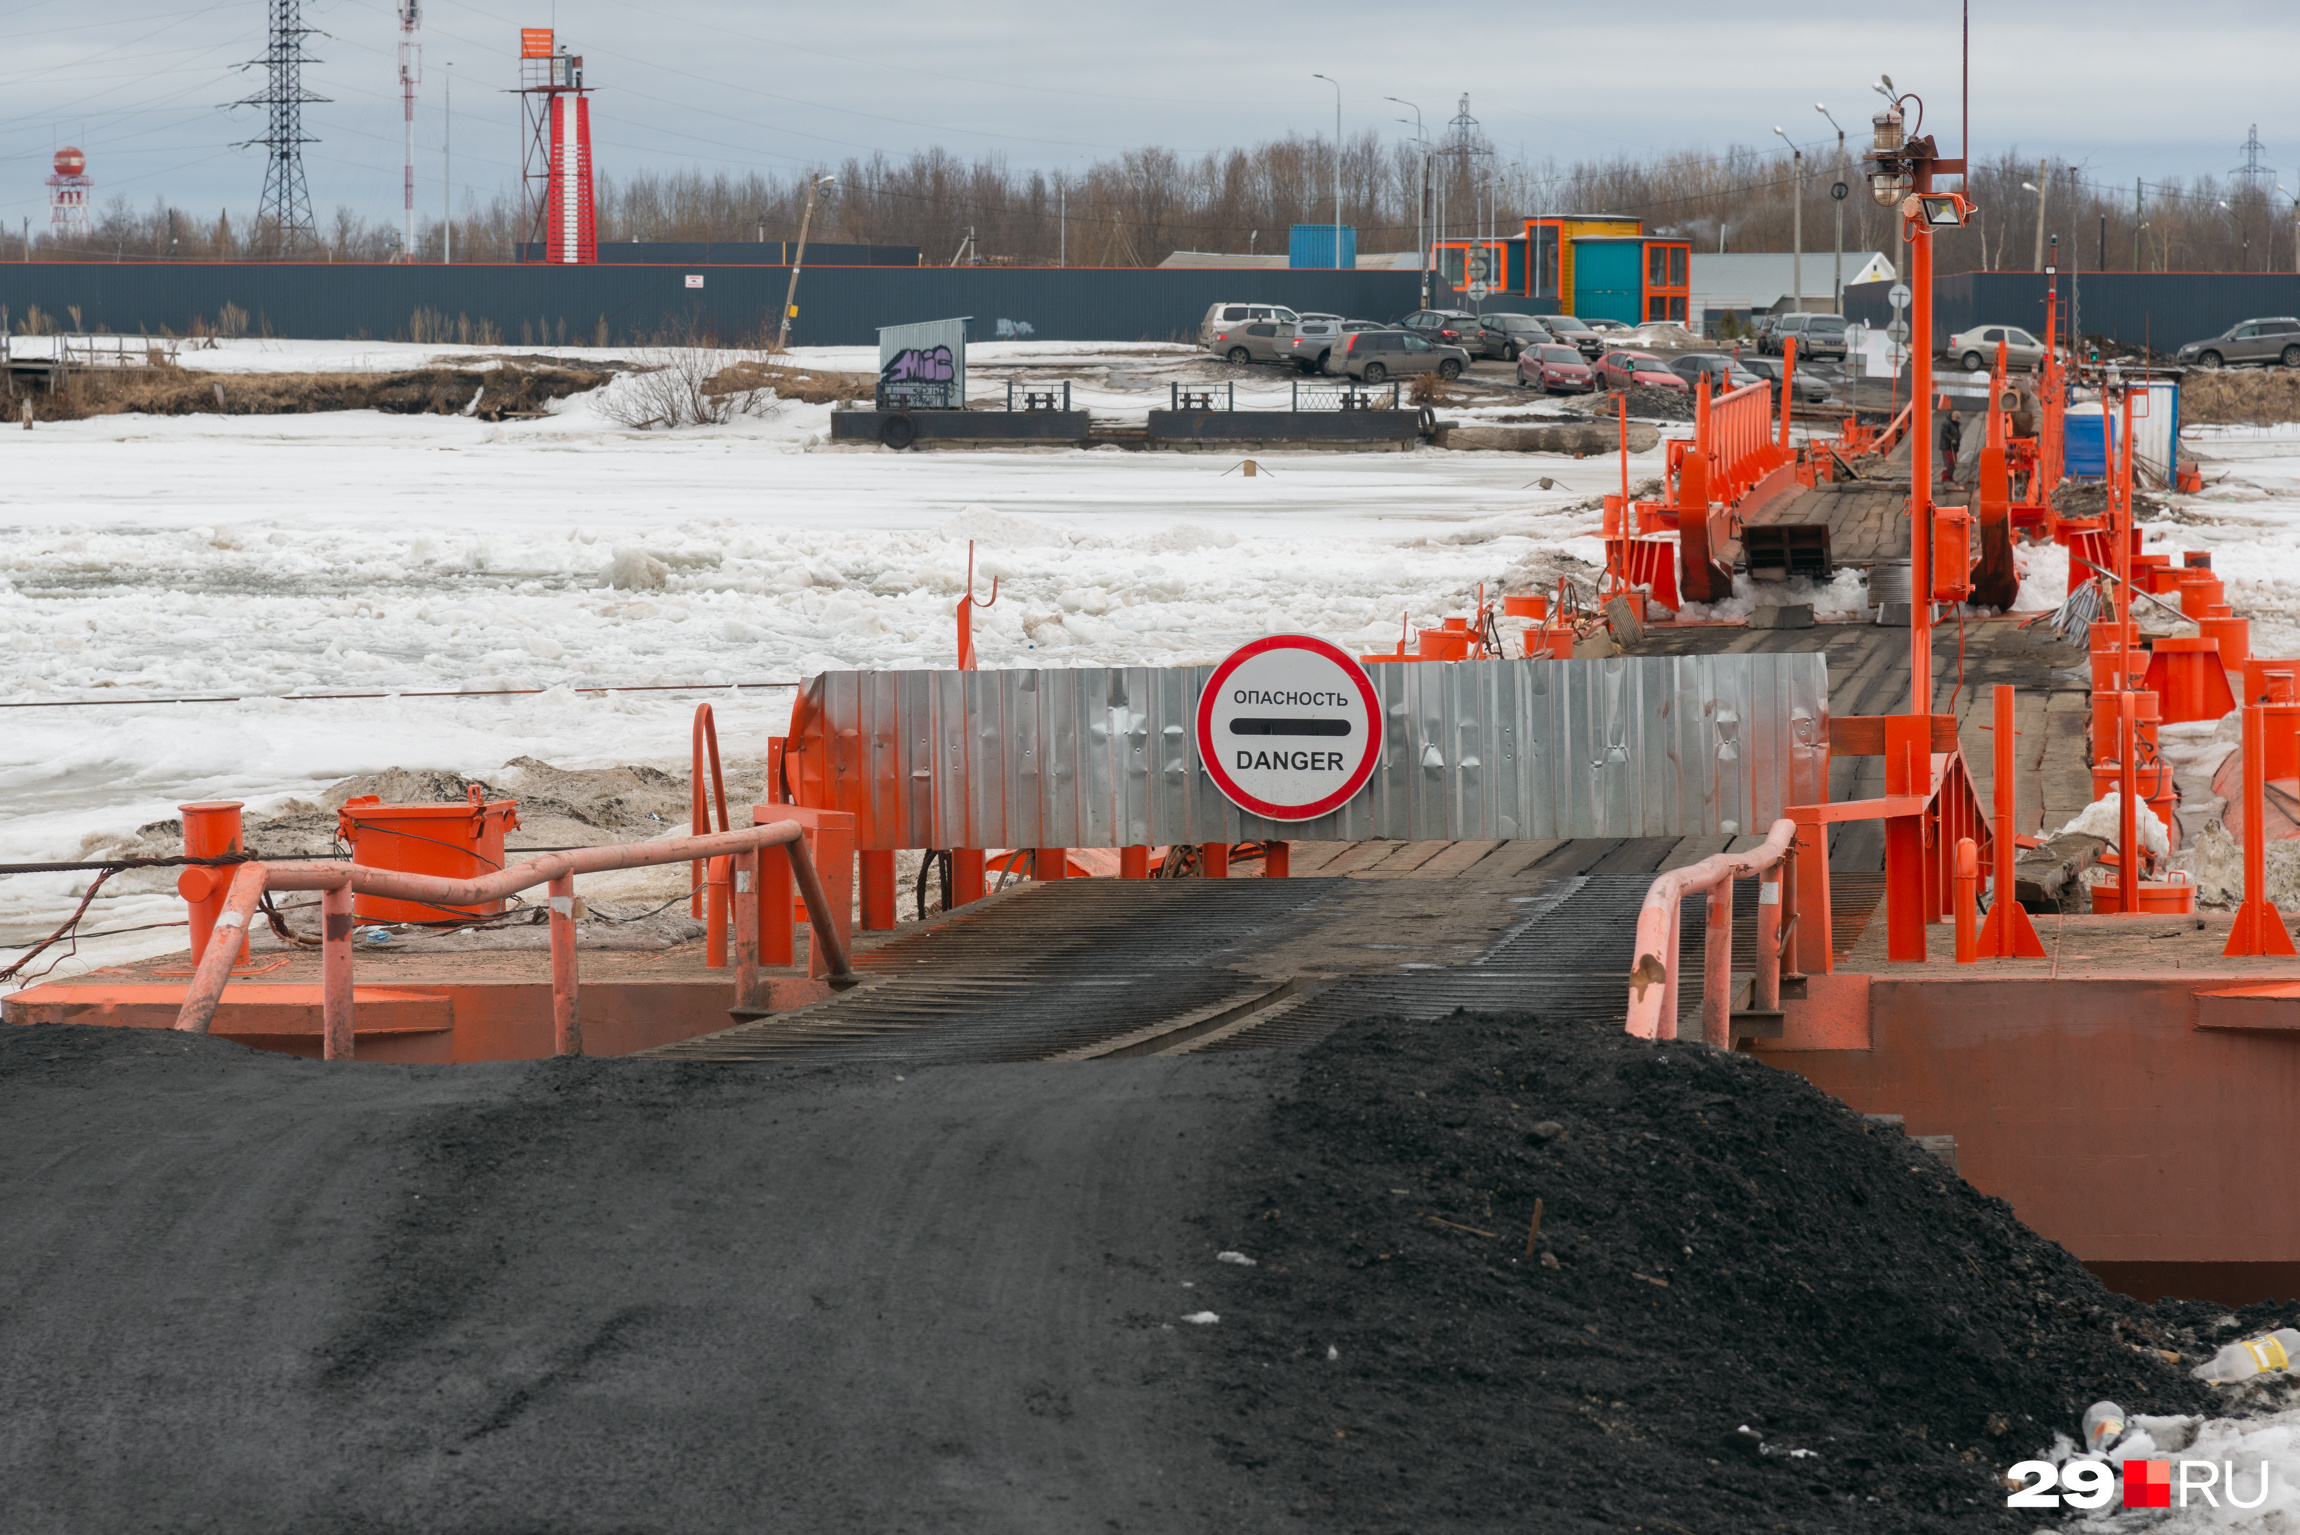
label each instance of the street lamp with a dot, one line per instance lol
(1797, 222)
(1337, 85)
(791, 294)
(2033, 186)
(1837, 195)
(2295, 226)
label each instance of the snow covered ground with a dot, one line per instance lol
(358, 552)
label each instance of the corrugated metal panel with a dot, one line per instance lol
(1642, 746)
(2160, 309)
(556, 305)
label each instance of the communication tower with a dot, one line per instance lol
(68, 191)
(410, 76)
(286, 206)
(555, 158)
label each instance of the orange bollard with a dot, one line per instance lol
(1968, 901)
(1214, 860)
(2259, 926)
(211, 830)
(2128, 810)
(967, 882)
(877, 890)
(1133, 863)
(718, 906)
(2185, 674)
(1277, 859)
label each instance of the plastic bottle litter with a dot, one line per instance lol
(2103, 1425)
(2248, 1357)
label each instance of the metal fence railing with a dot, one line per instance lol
(1036, 397)
(1344, 396)
(1204, 397)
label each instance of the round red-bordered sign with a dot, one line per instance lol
(1289, 727)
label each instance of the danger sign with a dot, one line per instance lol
(1289, 727)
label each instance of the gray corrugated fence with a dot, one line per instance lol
(538, 305)
(2159, 309)
(1642, 746)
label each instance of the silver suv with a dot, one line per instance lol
(1375, 355)
(1249, 332)
(1818, 336)
(2275, 340)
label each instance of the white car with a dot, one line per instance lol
(1249, 332)
(1976, 350)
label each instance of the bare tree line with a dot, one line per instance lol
(1137, 207)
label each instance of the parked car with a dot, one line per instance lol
(1329, 362)
(1809, 388)
(1375, 355)
(1726, 373)
(1443, 327)
(1976, 349)
(2275, 340)
(1523, 330)
(1818, 335)
(1555, 368)
(1249, 332)
(1609, 327)
(1575, 332)
(1314, 337)
(1642, 370)
(1765, 347)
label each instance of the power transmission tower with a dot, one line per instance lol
(286, 206)
(2255, 176)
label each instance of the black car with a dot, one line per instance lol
(1726, 374)
(1521, 331)
(1445, 327)
(1576, 333)
(1809, 388)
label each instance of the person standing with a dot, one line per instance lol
(1952, 439)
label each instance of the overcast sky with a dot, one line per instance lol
(142, 85)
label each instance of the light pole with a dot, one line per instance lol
(1837, 282)
(2037, 186)
(447, 174)
(1422, 213)
(2295, 226)
(1337, 85)
(1796, 222)
(791, 294)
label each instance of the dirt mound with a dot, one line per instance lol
(813, 386)
(2240, 397)
(1644, 404)
(172, 391)
(1721, 1245)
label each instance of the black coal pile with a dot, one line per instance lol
(1745, 1307)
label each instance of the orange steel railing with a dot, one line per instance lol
(337, 882)
(1653, 980)
(709, 898)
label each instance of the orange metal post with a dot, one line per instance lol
(705, 791)
(877, 890)
(1920, 486)
(211, 830)
(966, 878)
(966, 606)
(1788, 385)
(1133, 863)
(2008, 933)
(717, 903)
(1810, 880)
(335, 1009)
(1277, 859)
(1717, 966)
(2127, 807)
(1049, 862)
(830, 846)
(566, 1002)
(1214, 859)
(1765, 990)
(1908, 771)
(2259, 926)
(1968, 901)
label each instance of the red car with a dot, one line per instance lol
(1642, 370)
(1554, 369)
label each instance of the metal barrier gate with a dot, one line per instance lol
(1635, 746)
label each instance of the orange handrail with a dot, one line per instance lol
(1653, 979)
(337, 882)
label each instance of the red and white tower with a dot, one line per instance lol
(68, 192)
(410, 76)
(555, 172)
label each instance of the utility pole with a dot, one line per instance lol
(1796, 223)
(410, 76)
(286, 200)
(1061, 223)
(1837, 282)
(1422, 212)
(791, 294)
(447, 175)
(2043, 180)
(1337, 85)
